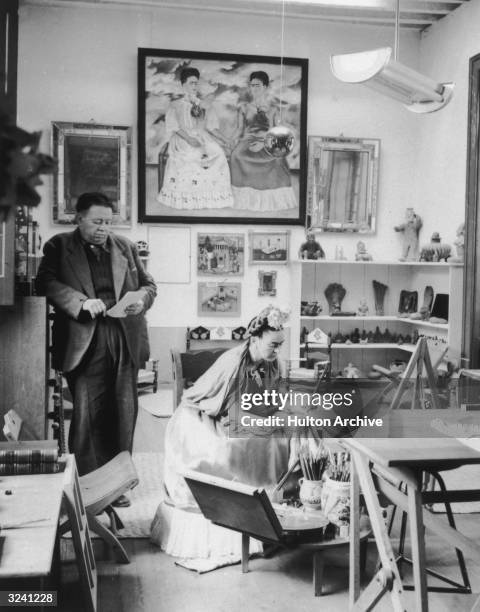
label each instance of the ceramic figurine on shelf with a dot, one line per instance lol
(436, 250)
(424, 313)
(459, 245)
(363, 337)
(362, 254)
(311, 249)
(410, 228)
(363, 308)
(335, 292)
(379, 290)
(351, 371)
(355, 337)
(339, 256)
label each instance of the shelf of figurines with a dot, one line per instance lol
(360, 319)
(367, 346)
(438, 264)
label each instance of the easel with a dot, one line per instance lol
(420, 357)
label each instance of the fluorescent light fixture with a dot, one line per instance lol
(379, 70)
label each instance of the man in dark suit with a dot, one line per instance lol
(83, 274)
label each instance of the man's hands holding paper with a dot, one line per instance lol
(95, 307)
(135, 309)
(130, 304)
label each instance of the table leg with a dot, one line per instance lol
(245, 552)
(388, 578)
(354, 577)
(417, 537)
(318, 568)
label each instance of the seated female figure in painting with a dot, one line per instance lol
(260, 181)
(197, 174)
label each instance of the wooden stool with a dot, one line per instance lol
(99, 489)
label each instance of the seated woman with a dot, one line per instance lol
(197, 174)
(260, 181)
(204, 434)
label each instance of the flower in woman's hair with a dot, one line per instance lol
(277, 317)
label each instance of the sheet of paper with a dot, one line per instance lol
(129, 298)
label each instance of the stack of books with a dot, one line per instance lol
(32, 457)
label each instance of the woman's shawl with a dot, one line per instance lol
(209, 393)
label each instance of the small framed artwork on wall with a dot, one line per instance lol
(91, 157)
(220, 254)
(219, 299)
(267, 283)
(206, 149)
(271, 247)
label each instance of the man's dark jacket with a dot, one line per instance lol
(64, 277)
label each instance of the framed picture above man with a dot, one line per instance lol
(203, 153)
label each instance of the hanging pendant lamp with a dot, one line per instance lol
(380, 70)
(279, 139)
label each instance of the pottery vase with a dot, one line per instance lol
(310, 493)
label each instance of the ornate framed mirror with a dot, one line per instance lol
(342, 183)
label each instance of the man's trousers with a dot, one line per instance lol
(105, 401)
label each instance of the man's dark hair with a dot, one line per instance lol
(92, 198)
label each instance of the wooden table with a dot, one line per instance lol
(29, 514)
(30, 507)
(380, 465)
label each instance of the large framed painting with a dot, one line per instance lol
(91, 157)
(206, 150)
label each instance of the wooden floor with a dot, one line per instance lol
(283, 583)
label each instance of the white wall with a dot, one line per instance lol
(442, 137)
(78, 63)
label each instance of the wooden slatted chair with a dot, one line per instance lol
(99, 489)
(188, 366)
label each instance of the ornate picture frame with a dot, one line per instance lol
(220, 254)
(91, 157)
(267, 283)
(201, 147)
(269, 247)
(217, 299)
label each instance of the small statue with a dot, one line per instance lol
(436, 250)
(351, 371)
(335, 294)
(363, 337)
(424, 313)
(410, 228)
(362, 254)
(459, 245)
(363, 308)
(339, 256)
(311, 249)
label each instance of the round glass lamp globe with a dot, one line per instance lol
(279, 141)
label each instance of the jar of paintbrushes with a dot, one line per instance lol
(313, 463)
(335, 497)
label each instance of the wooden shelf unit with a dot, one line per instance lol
(311, 277)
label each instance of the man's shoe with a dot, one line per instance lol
(122, 502)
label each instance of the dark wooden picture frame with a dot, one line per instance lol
(201, 157)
